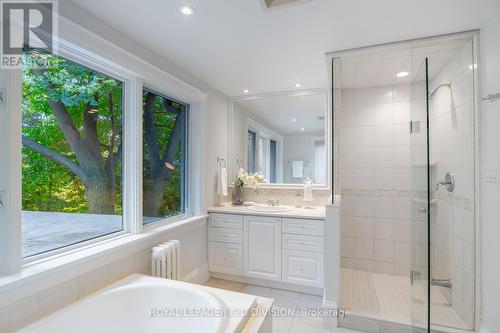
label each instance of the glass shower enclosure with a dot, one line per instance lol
(442, 127)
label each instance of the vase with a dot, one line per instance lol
(237, 196)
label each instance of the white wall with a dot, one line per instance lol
(299, 146)
(376, 179)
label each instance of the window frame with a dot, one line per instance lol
(11, 260)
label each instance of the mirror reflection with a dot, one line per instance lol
(282, 137)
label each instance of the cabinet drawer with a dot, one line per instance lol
(226, 221)
(303, 268)
(303, 227)
(303, 243)
(225, 258)
(226, 235)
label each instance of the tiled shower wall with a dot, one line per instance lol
(452, 150)
(376, 179)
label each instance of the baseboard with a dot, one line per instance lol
(198, 275)
(270, 284)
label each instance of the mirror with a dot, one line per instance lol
(282, 137)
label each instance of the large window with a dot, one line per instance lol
(164, 157)
(72, 153)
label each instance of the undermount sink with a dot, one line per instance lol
(266, 208)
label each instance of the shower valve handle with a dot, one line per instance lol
(448, 182)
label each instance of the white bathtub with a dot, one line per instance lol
(145, 304)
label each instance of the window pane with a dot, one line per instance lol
(72, 161)
(164, 157)
(272, 176)
(251, 151)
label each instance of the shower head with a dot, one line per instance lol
(433, 92)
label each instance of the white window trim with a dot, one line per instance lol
(132, 71)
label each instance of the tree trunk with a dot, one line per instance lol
(100, 194)
(154, 191)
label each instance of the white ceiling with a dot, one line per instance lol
(378, 66)
(236, 44)
(278, 112)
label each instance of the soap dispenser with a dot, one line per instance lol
(308, 192)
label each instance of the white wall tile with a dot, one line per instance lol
(383, 207)
(384, 229)
(384, 267)
(382, 114)
(382, 95)
(363, 96)
(401, 113)
(384, 250)
(402, 252)
(364, 206)
(93, 281)
(21, 313)
(348, 226)
(348, 246)
(383, 180)
(365, 265)
(57, 297)
(364, 227)
(401, 93)
(382, 135)
(364, 248)
(382, 157)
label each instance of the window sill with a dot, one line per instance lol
(76, 259)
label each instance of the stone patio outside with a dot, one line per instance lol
(43, 231)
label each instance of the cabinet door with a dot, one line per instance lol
(225, 258)
(304, 268)
(262, 250)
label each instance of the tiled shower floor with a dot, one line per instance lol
(387, 298)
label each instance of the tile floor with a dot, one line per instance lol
(284, 299)
(387, 297)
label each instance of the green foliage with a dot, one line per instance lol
(47, 185)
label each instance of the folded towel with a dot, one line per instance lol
(297, 169)
(222, 181)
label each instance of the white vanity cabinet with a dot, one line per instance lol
(303, 252)
(225, 246)
(262, 247)
(267, 248)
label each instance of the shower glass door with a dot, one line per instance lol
(421, 203)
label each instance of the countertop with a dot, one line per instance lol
(315, 213)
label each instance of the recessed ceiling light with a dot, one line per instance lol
(302, 129)
(187, 10)
(402, 74)
(245, 91)
(294, 120)
(298, 85)
(471, 67)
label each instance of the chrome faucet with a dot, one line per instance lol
(273, 203)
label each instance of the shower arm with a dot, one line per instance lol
(447, 84)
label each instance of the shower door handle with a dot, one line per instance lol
(413, 276)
